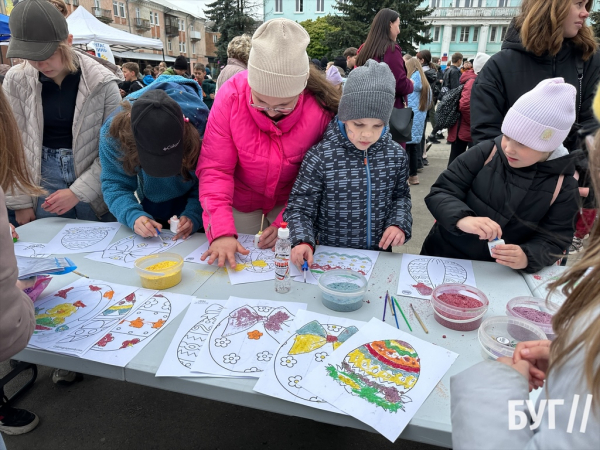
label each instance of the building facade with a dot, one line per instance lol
(298, 10)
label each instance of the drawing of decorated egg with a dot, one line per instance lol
(306, 350)
(257, 261)
(143, 323)
(191, 344)
(380, 372)
(430, 273)
(80, 238)
(246, 340)
(324, 261)
(58, 312)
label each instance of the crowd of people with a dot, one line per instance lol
(311, 143)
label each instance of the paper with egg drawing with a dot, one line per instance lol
(82, 238)
(381, 376)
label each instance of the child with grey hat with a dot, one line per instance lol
(352, 188)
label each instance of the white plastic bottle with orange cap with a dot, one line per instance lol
(283, 248)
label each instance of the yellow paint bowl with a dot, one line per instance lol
(161, 271)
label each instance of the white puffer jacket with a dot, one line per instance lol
(97, 97)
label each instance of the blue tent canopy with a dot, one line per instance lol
(4, 30)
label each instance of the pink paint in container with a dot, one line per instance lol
(458, 306)
(533, 310)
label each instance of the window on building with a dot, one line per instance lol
(180, 48)
(116, 9)
(320, 5)
(436, 3)
(464, 34)
(170, 45)
(156, 19)
(122, 9)
(493, 31)
(137, 13)
(151, 19)
(181, 24)
(299, 6)
(96, 3)
(453, 37)
(436, 34)
(475, 34)
(278, 6)
(215, 38)
(467, 3)
(503, 33)
(502, 3)
(191, 27)
(194, 48)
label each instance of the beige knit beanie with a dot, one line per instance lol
(278, 62)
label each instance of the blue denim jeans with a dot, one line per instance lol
(58, 172)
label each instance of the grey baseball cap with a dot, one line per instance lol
(36, 29)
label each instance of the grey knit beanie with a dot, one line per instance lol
(369, 93)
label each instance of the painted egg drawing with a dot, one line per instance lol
(359, 262)
(257, 330)
(138, 326)
(379, 372)
(430, 273)
(80, 238)
(191, 344)
(306, 350)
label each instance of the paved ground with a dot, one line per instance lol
(104, 414)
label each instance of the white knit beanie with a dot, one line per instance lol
(278, 62)
(542, 118)
(479, 62)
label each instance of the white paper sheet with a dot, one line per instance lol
(189, 338)
(124, 299)
(419, 275)
(317, 336)
(125, 251)
(194, 257)
(246, 337)
(329, 258)
(64, 311)
(131, 335)
(30, 250)
(539, 283)
(403, 369)
(82, 238)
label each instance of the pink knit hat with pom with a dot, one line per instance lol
(542, 118)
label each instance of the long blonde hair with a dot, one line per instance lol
(14, 175)
(413, 65)
(540, 26)
(577, 323)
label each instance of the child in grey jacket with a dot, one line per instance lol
(352, 188)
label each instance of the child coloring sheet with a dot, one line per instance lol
(420, 275)
(189, 338)
(82, 238)
(119, 346)
(317, 336)
(329, 258)
(246, 336)
(258, 265)
(125, 251)
(381, 376)
(30, 250)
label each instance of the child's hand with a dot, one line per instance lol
(393, 236)
(300, 253)
(13, 232)
(483, 227)
(184, 229)
(537, 353)
(523, 367)
(510, 255)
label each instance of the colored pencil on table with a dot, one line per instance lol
(389, 299)
(385, 305)
(402, 312)
(395, 315)
(419, 319)
(80, 274)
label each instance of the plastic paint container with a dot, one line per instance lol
(161, 271)
(533, 310)
(343, 289)
(458, 306)
(498, 336)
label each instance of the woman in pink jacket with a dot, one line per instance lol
(259, 129)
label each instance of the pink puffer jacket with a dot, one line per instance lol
(247, 162)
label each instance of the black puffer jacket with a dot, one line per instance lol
(514, 71)
(344, 197)
(517, 199)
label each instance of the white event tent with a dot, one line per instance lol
(86, 28)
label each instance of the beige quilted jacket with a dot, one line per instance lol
(97, 97)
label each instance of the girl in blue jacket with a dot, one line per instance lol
(149, 150)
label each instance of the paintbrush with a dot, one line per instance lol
(80, 274)
(419, 319)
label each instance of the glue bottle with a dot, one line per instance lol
(174, 222)
(283, 248)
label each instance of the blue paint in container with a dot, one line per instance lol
(343, 290)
